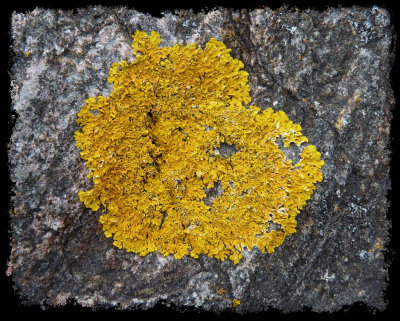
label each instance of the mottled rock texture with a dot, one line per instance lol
(328, 70)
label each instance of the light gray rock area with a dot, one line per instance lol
(327, 70)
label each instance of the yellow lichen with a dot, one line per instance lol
(152, 149)
(339, 123)
(235, 303)
(221, 292)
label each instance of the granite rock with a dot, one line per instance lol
(328, 70)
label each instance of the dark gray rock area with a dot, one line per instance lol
(328, 70)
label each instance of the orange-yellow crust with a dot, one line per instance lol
(152, 150)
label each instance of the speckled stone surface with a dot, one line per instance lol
(328, 70)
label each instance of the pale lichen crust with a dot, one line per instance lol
(153, 151)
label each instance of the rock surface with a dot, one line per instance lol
(329, 71)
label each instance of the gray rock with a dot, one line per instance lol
(329, 71)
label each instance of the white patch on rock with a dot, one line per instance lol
(328, 277)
